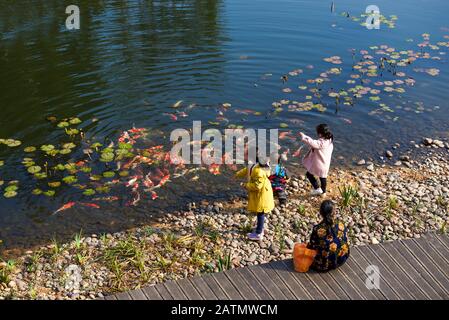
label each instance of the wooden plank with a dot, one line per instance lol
(123, 296)
(405, 285)
(189, 290)
(151, 293)
(227, 286)
(360, 269)
(437, 258)
(346, 284)
(238, 281)
(254, 284)
(203, 289)
(425, 267)
(410, 271)
(333, 285)
(273, 275)
(385, 272)
(434, 241)
(111, 297)
(287, 278)
(213, 285)
(276, 292)
(137, 294)
(174, 290)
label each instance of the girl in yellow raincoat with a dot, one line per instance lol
(260, 194)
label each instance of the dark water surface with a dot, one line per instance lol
(132, 60)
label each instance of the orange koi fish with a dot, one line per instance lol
(164, 180)
(91, 205)
(68, 205)
(154, 195)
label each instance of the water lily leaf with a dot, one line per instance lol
(40, 175)
(50, 193)
(75, 121)
(37, 192)
(11, 188)
(103, 189)
(2, 163)
(71, 167)
(59, 167)
(65, 151)
(123, 173)
(95, 177)
(107, 157)
(29, 149)
(96, 145)
(89, 192)
(109, 174)
(86, 169)
(55, 184)
(123, 145)
(72, 132)
(70, 179)
(69, 145)
(47, 147)
(12, 143)
(63, 124)
(10, 194)
(34, 169)
(283, 125)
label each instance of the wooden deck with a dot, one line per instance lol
(409, 269)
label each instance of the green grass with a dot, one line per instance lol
(393, 202)
(348, 195)
(78, 240)
(224, 263)
(6, 271)
(246, 227)
(302, 209)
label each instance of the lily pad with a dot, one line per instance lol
(123, 173)
(37, 192)
(103, 189)
(283, 125)
(109, 174)
(65, 151)
(34, 169)
(86, 169)
(40, 175)
(10, 194)
(12, 143)
(72, 132)
(70, 179)
(11, 188)
(50, 193)
(2, 163)
(47, 147)
(55, 184)
(107, 157)
(123, 145)
(29, 149)
(89, 192)
(75, 121)
(63, 124)
(69, 145)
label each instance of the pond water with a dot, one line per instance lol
(131, 61)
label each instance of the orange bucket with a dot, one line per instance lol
(303, 257)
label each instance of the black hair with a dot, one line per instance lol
(323, 130)
(327, 212)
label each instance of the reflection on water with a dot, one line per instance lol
(132, 60)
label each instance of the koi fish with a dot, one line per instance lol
(132, 181)
(172, 116)
(147, 182)
(182, 114)
(136, 130)
(164, 180)
(297, 152)
(177, 104)
(154, 195)
(68, 205)
(214, 169)
(91, 205)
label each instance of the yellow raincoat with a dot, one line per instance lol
(260, 193)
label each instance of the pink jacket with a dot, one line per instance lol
(318, 159)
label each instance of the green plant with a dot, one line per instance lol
(393, 203)
(6, 270)
(149, 231)
(443, 227)
(55, 248)
(169, 239)
(301, 209)
(213, 235)
(224, 263)
(348, 194)
(246, 228)
(78, 240)
(441, 202)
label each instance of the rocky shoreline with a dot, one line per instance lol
(398, 197)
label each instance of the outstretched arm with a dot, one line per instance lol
(315, 144)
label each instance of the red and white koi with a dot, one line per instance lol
(67, 206)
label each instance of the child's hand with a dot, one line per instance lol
(301, 135)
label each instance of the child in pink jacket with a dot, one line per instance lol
(318, 159)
